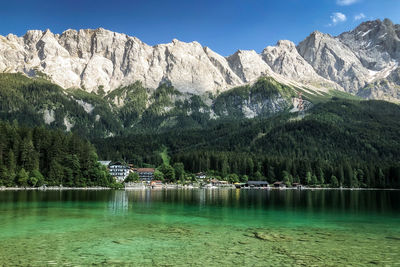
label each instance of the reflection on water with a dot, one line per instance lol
(377, 201)
(200, 227)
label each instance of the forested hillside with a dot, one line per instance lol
(248, 132)
(38, 156)
(133, 108)
(34, 102)
(342, 143)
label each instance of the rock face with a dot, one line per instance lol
(285, 60)
(357, 59)
(248, 65)
(386, 88)
(333, 60)
(375, 43)
(93, 59)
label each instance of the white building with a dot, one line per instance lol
(119, 171)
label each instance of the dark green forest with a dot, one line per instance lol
(38, 156)
(347, 143)
(340, 141)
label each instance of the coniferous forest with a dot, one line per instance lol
(38, 156)
(339, 141)
(342, 142)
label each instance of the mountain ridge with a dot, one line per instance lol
(93, 59)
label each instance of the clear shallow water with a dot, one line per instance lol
(200, 227)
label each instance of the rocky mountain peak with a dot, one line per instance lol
(334, 60)
(319, 35)
(286, 44)
(175, 41)
(285, 60)
(93, 58)
(373, 29)
(248, 65)
(32, 35)
(376, 43)
(388, 22)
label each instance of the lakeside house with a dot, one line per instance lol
(279, 184)
(156, 184)
(217, 182)
(119, 171)
(201, 175)
(258, 184)
(145, 174)
(297, 185)
(253, 184)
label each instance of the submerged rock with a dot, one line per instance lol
(270, 237)
(393, 238)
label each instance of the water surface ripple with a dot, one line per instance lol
(200, 227)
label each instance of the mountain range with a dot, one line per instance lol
(99, 84)
(317, 111)
(363, 62)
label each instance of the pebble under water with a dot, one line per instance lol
(200, 227)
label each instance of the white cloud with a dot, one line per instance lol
(346, 2)
(336, 18)
(359, 16)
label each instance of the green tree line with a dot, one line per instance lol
(39, 156)
(346, 143)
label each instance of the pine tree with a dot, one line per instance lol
(340, 175)
(28, 157)
(271, 174)
(348, 174)
(36, 178)
(56, 173)
(5, 178)
(308, 178)
(314, 180)
(22, 178)
(224, 166)
(11, 166)
(287, 178)
(179, 170)
(334, 181)
(380, 177)
(321, 176)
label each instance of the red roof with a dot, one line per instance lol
(144, 169)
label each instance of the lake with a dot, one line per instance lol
(200, 227)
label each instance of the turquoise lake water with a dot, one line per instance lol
(200, 227)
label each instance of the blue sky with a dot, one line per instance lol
(222, 25)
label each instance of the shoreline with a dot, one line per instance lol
(169, 187)
(52, 188)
